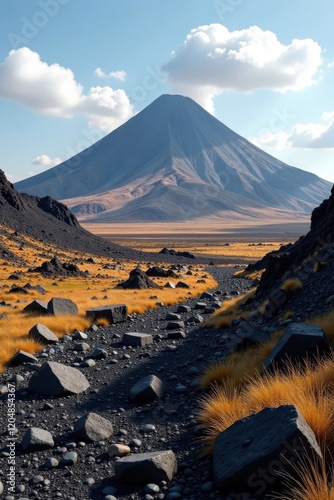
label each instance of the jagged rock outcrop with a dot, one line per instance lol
(321, 234)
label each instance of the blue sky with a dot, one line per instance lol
(73, 70)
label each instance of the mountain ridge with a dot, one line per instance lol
(174, 161)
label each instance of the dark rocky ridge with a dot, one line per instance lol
(289, 258)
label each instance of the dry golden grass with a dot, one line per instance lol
(292, 285)
(288, 315)
(231, 309)
(308, 388)
(239, 367)
(311, 480)
(326, 322)
(318, 266)
(243, 250)
(97, 289)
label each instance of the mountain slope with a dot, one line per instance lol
(51, 222)
(175, 161)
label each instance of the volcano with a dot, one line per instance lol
(174, 161)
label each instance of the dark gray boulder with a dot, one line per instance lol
(42, 334)
(114, 313)
(147, 390)
(251, 454)
(36, 307)
(62, 307)
(56, 379)
(298, 342)
(93, 427)
(36, 439)
(146, 467)
(138, 280)
(137, 339)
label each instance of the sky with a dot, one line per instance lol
(71, 71)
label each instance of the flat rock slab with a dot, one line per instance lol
(137, 339)
(36, 307)
(298, 342)
(251, 454)
(42, 334)
(62, 307)
(21, 357)
(146, 467)
(56, 379)
(147, 390)
(114, 313)
(93, 427)
(36, 439)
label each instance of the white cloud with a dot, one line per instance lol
(309, 135)
(52, 90)
(46, 161)
(212, 60)
(118, 75)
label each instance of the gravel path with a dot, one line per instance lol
(176, 362)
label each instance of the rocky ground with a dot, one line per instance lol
(166, 424)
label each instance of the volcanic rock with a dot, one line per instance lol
(137, 280)
(56, 379)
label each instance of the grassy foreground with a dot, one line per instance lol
(237, 387)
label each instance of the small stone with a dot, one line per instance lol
(69, 458)
(88, 363)
(148, 428)
(51, 463)
(137, 339)
(151, 488)
(118, 450)
(81, 346)
(147, 390)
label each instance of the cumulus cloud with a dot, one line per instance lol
(52, 90)
(213, 59)
(46, 161)
(118, 75)
(309, 135)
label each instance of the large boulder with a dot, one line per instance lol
(93, 427)
(251, 454)
(147, 390)
(298, 342)
(146, 467)
(114, 313)
(137, 280)
(36, 439)
(62, 307)
(56, 379)
(42, 334)
(36, 307)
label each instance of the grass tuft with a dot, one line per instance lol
(309, 388)
(292, 285)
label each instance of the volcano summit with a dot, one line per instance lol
(174, 161)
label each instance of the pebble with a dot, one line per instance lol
(148, 428)
(69, 458)
(151, 488)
